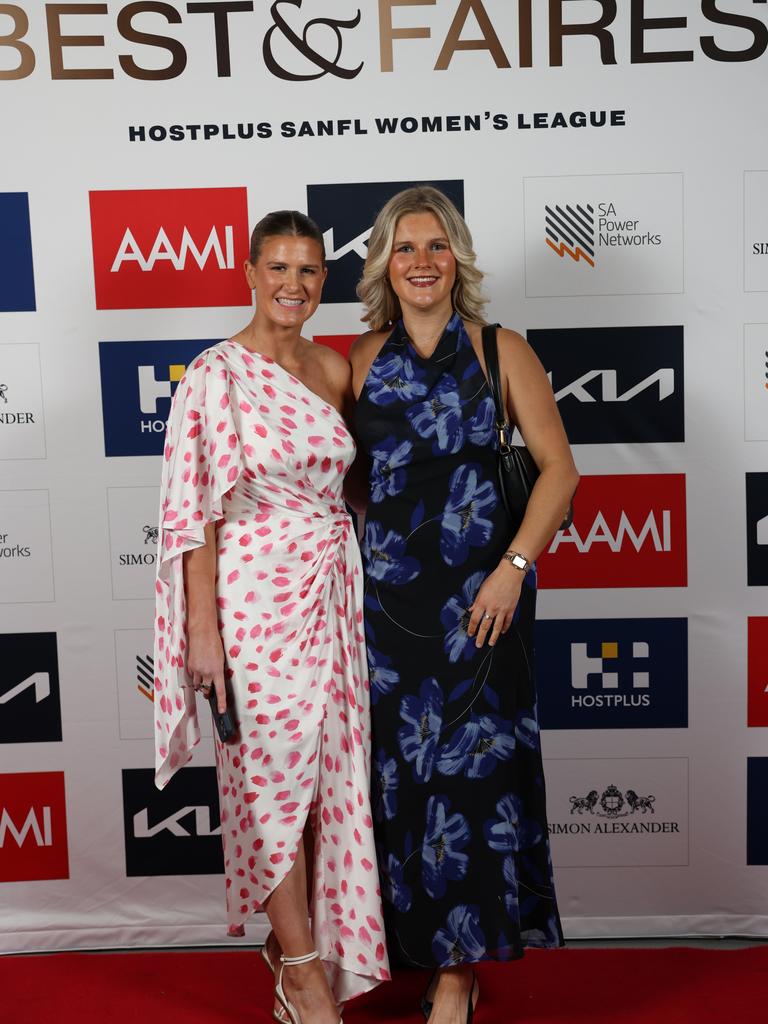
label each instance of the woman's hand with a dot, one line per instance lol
(495, 604)
(205, 664)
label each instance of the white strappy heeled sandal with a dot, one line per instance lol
(293, 961)
(277, 1015)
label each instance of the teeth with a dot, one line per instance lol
(291, 302)
(423, 280)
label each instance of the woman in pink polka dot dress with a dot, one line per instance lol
(259, 595)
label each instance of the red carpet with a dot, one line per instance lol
(594, 986)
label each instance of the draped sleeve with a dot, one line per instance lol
(202, 461)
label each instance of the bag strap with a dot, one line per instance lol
(491, 354)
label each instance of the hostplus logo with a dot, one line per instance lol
(613, 673)
(616, 384)
(138, 380)
(17, 276)
(167, 248)
(345, 215)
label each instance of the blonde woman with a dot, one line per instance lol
(458, 790)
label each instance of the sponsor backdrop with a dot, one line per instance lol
(612, 167)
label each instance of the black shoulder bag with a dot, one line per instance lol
(516, 467)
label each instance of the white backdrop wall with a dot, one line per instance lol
(652, 644)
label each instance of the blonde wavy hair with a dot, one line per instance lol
(374, 290)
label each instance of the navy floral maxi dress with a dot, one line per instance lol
(458, 789)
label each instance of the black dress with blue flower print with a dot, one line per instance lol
(458, 788)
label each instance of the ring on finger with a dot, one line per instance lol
(487, 616)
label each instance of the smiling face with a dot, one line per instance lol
(287, 279)
(422, 267)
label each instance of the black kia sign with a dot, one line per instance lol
(616, 385)
(30, 706)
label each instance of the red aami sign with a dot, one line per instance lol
(341, 342)
(170, 248)
(628, 531)
(757, 671)
(33, 827)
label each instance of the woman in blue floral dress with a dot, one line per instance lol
(458, 789)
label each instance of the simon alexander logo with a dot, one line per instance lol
(17, 277)
(167, 248)
(138, 380)
(616, 234)
(616, 384)
(613, 673)
(628, 531)
(345, 214)
(30, 708)
(33, 827)
(174, 831)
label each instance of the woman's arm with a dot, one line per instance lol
(205, 652)
(530, 405)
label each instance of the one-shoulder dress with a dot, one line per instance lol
(458, 788)
(253, 450)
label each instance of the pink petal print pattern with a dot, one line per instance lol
(289, 596)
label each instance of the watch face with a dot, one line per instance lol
(519, 562)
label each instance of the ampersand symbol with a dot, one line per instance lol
(301, 43)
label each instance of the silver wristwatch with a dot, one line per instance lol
(519, 561)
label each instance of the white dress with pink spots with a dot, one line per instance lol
(252, 449)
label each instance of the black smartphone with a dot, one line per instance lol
(222, 722)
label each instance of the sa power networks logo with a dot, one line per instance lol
(616, 384)
(345, 214)
(166, 248)
(33, 827)
(22, 430)
(757, 819)
(135, 672)
(604, 234)
(628, 531)
(618, 812)
(30, 707)
(756, 382)
(26, 568)
(612, 673)
(757, 529)
(138, 380)
(174, 831)
(756, 231)
(133, 538)
(17, 276)
(757, 671)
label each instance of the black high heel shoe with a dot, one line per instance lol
(427, 1004)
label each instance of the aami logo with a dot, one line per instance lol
(175, 831)
(345, 214)
(612, 673)
(570, 230)
(757, 529)
(757, 819)
(33, 827)
(138, 379)
(30, 707)
(342, 343)
(165, 248)
(616, 384)
(17, 276)
(628, 531)
(757, 671)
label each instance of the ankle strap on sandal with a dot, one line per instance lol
(297, 961)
